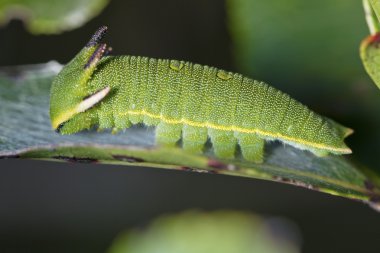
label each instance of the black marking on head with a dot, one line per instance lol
(75, 159)
(96, 56)
(129, 159)
(98, 36)
(59, 128)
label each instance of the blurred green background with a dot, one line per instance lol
(308, 49)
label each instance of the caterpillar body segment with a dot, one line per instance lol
(187, 102)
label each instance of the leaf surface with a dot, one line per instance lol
(25, 132)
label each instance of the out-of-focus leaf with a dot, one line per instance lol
(369, 48)
(51, 16)
(298, 42)
(310, 50)
(25, 132)
(222, 232)
(370, 55)
(371, 17)
(376, 7)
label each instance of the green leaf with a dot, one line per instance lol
(222, 232)
(52, 16)
(371, 17)
(369, 48)
(25, 132)
(370, 55)
(376, 7)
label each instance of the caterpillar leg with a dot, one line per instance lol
(168, 135)
(105, 120)
(252, 147)
(122, 122)
(136, 119)
(194, 138)
(223, 142)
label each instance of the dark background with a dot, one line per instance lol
(62, 207)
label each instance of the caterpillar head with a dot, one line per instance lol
(69, 96)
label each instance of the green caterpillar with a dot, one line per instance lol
(185, 100)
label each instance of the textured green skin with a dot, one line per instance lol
(191, 93)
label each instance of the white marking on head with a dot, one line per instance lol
(93, 100)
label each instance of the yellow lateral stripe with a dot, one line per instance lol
(236, 129)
